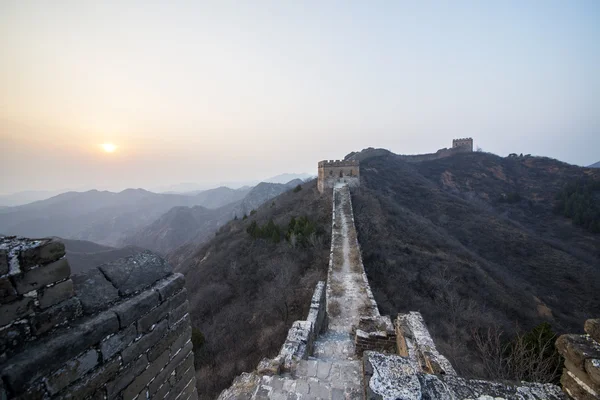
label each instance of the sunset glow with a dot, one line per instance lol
(109, 147)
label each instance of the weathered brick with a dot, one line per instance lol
(7, 291)
(48, 354)
(179, 388)
(126, 376)
(56, 315)
(3, 262)
(144, 378)
(178, 313)
(15, 310)
(118, 342)
(162, 376)
(577, 348)
(169, 286)
(47, 251)
(14, 336)
(144, 343)
(182, 368)
(136, 272)
(71, 371)
(94, 291)
(41, 276)
(91, 384)
(145, 323)
(592, 328)
(134, 308)
(162, 391)
(55, 294)
(181, 339)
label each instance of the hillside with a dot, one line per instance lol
(245, 292)
(98, 216)
(472, 241)
(595, 165)
(195, 225)
(218, 197)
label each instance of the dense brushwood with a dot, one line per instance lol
(472, 241)
(245, 291)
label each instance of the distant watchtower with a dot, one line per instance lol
(465, 144)
(332, 171)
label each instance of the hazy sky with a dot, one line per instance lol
(194, 91)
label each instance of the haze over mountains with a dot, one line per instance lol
(157, 221)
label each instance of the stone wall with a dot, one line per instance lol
(121, 330)
(581, 375)
(301, 336)
(332, 171)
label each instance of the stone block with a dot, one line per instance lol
(126, 376)
(55, 294)
(136, 272)
(181, 338)
(14, 336)
(71, 371)
(577, 348)
(145, 377)
(179, 388)
(162, 391)
(182, 353)
(117, 342)
(592, 328)
(132, 309)
(91, 384)
(47, 251)
(158, 313)
(49, 354)
(577, 389)
(145, 323)
(169, 286)
(3, 262)
(182, 368)
(17, 309)
(39, 277)
(94, 291)
(178, 313)
(56, 315)
(592, 367)
(7, 291)
(144, 343)
(581, 374)
(163, 376)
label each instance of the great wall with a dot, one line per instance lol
(122, 331)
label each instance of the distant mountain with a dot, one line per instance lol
(215, 198)
(595, 165)
(99, 216)
(83, 255)
(287, 177)
(29, 196)
(195, 225)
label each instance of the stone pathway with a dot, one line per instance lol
(333, 372)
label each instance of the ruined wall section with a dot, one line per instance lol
(581, 375)
(121, 330)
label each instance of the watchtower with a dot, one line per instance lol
(332, 171)
(465, 144)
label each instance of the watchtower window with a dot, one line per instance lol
(330, 172)
(341, 174)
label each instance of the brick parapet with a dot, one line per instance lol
(133, 343)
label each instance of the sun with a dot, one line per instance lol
(109, 147)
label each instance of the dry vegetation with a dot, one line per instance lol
(466, 258)
(245, 293)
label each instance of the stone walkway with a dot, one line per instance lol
(333, 372)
